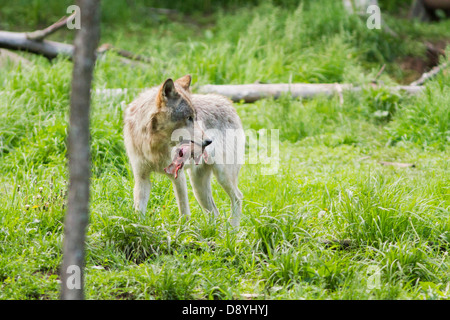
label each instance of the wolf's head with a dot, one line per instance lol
(176, 115)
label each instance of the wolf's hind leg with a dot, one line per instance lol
(200, 178)
(227, 176)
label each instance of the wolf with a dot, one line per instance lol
(203, 120)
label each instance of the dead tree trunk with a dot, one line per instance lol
(35, 42)
(77, 215)
(47, 48)
(253, 92)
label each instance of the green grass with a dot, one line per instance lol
(329, 185)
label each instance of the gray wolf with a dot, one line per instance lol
(166, 116)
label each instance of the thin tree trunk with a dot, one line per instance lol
(77, 215)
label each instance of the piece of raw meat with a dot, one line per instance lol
(183, 153)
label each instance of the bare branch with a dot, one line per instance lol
(124, 53)
(379, 74)
(428, 75)
(39, 35)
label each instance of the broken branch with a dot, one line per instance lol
(428, 75)
(39, 35)
(124, 53)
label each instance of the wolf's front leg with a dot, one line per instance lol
(142, 187)
(181, 194)
(141, 194)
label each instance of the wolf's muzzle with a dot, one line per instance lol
(206, 143)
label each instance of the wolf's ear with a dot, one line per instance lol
(184, 82)
(168, 90)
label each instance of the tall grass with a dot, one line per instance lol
(430, 114)
(330, 184)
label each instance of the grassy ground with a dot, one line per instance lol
(330, 184)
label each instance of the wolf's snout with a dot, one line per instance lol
(206, 143)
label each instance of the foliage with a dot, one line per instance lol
(329, 185)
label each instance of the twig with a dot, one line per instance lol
(124, 53)
(379, 74)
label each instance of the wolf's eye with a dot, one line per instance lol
(190, 118)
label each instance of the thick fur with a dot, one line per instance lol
(149, 123)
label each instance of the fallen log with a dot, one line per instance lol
(35, 42)
(51, 49)
(253, 92)
(238, 95)
(47, 48)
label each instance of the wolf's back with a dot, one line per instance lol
(220, 121)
